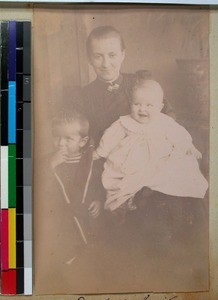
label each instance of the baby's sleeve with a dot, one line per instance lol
(178, 136)
(110, 139)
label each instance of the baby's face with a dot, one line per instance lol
(67, 139)
(146, 105)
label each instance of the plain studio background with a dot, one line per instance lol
(170, 42)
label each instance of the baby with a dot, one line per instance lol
(148, 148)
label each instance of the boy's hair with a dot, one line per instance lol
(103, 32)
(71, 116)
(143, 79)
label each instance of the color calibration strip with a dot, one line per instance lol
(15, 154)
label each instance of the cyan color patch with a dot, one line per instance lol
(12, 112)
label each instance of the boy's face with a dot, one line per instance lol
(67, 139)
(146, 105)
(106, 57)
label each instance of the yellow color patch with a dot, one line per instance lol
(12, 238)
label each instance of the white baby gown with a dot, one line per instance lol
(151, 155)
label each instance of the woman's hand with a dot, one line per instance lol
(94, 209)
(95, 155)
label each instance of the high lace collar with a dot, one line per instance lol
(132, 125)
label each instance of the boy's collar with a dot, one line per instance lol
(74, 159)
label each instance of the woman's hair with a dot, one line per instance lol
(71, 116)
(103, 32)
(143, 78)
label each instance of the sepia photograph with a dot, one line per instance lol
(121, 149)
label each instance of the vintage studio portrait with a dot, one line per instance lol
(121, 124)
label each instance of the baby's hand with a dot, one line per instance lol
(57, 158)
(194, 151)
(94, 209)
(95, 155)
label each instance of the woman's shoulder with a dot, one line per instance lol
(90, 86)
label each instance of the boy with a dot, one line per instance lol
(67, 216)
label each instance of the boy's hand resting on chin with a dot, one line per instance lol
(57, 158)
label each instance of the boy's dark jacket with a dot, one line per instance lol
(66, 194)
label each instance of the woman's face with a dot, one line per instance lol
(106, 57)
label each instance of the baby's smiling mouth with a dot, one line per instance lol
(145, 115)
